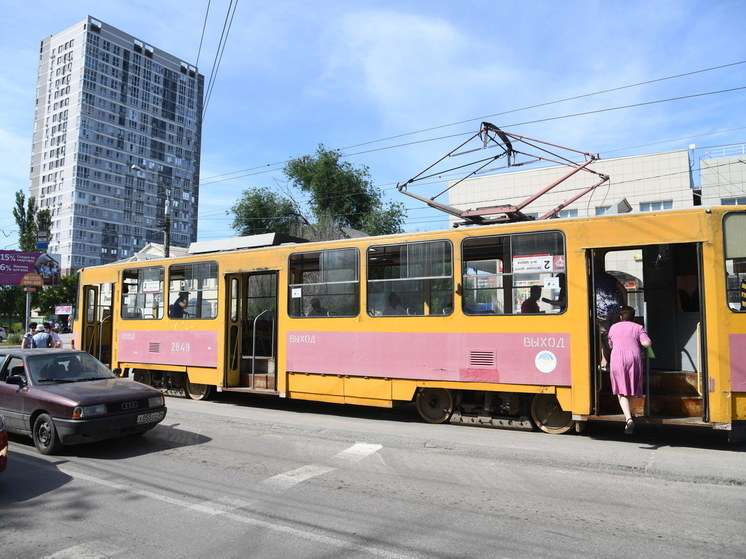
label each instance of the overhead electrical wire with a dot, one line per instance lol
(264, 168)
(202, 37)
(272, 167)
(230, 13)
(539, 105)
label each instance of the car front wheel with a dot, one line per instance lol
(45, 435)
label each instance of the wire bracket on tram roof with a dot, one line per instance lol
(512, 147)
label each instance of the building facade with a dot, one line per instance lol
(722, 174)
(116, 144)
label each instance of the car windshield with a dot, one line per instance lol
(66, 367)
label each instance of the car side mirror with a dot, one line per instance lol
(18, 380)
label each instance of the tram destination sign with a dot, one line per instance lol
(30, 269)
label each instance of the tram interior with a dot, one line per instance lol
(663, 286)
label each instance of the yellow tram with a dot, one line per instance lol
(436, 318)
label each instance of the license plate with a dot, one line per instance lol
(150, 417)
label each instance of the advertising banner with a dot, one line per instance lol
(29, 269)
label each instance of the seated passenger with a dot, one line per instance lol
(530, 305)
(394, 307)
(316, 308)
(177, 309)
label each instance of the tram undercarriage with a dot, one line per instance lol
(494, 409)
(173, 383)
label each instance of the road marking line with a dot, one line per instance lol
(357, 452)
(220, 506)
(348, 545)
(88, 550)
(286, 480)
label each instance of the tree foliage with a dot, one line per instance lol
(340, 195)
(12, 304)
(343, 193)
(261, 211)
(30, 220)
(25, 216)
(52, 295)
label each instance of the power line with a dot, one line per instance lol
(202, 37)
(219, 53)
(479, 119)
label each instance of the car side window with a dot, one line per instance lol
(13, 366)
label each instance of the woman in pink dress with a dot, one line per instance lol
(627, 338)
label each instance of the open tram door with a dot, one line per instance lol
(252, 331)
(96, 331)
(663, 284)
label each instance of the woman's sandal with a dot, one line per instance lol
(629, 427)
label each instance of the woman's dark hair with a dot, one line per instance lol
(627, 313)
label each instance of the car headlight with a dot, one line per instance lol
(89, 411)
(156, 401)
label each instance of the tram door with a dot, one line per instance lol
(96, 334)
(664, 285)
(234, 291)
(252, 330)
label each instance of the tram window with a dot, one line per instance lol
(734, 229)
(105, 301)
(414, 279)
(193, 290)
(499, 272)
(142, 293)
(324, 283)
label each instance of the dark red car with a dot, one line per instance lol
(3, 444)
(62, 396)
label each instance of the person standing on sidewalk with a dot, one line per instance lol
(28, 338)
(54, 332)
(42, 338)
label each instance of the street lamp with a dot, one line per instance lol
(166, 223)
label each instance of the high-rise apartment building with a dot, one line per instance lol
(116, 144)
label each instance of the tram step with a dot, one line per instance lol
(260, 381)
(668, 405)
(683, 383)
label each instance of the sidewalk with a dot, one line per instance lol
(67, 340)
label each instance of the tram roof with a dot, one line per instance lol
(240, 243)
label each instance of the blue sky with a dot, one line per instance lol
(382, 80)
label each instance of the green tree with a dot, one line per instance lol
(12, 304)
(52, 295)
(343, 194)
(262, 211)
(30, 221)
(25, 216)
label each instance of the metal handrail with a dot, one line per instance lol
(101, 335)
(253, 342)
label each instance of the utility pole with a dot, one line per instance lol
(167, 226)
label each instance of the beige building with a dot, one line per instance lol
(723, 176)
(648, 182)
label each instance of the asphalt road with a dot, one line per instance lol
(259, 477)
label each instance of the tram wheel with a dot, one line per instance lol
(548, 415)
(198, 391)
(144, 376)
(435, 405)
